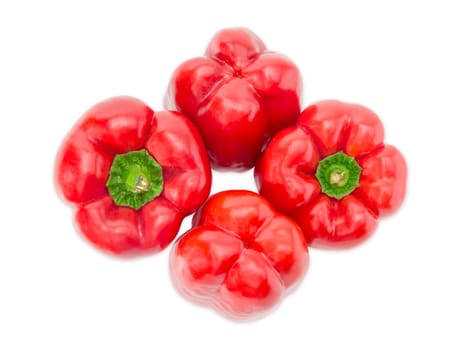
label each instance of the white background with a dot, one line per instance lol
(409, 286)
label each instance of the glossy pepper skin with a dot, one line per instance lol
(240, 257)
(285, 174)
(115, 127)
(238, 94)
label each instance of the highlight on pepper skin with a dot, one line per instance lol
(239, 94)
(332, 173)
(132, 175)
(240, 257)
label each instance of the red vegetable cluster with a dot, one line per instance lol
(324, 175)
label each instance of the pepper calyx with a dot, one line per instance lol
(338, 175)
(135, 179)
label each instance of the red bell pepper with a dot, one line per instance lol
(133, 174)
(238, 95)
(240, 256)
(333, 174)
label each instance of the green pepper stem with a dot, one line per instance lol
(338, 175)
(141, 184)
(135, 179)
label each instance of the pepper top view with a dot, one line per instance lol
(333, 174)
(132, 174)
